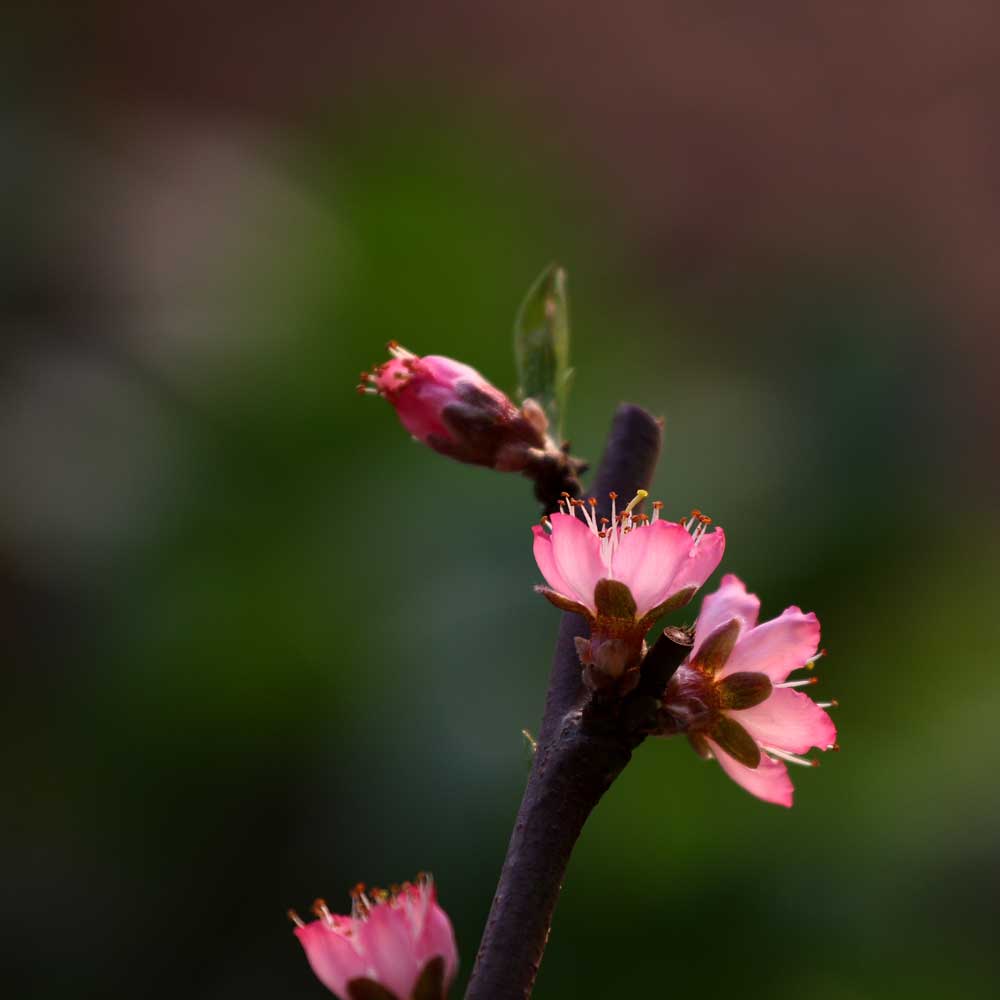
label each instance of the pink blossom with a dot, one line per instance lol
(622, 573)
(733, 698)
(451, 408)
(389, 938)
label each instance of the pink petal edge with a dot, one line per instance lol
(331, 955)
(577, 552)
(647, 561)
(546, 560)
(777, 647)
(702, 562)
(769, 781)
(788, 720)
(730, 601)
(386, 940)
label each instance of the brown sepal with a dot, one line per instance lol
(736, 741)
(744, 689)
(614, 600)
(563, 603)
(368, 989)
(700, 745)
(679, 599)
(430, 984)
(714, 651)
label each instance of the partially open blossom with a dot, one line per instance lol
(621, 573)
(396, 939)
(733, 698)
(451, 408)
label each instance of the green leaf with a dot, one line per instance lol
(541, 346)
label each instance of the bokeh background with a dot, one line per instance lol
(260, 646)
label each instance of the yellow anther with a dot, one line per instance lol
(638, 498)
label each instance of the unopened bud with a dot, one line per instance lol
(451, 408)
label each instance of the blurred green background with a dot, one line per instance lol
(261, 646)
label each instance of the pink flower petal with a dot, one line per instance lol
(577, 552)
(788, 720)
(386, 939)
(418, 404)
(448, 371)
(438, 938)
(768, 781)
(730, 601)
(546, 559)
(648, 560)
(777, 647)
(333, 957)
(702, 562)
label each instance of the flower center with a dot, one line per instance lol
(611, 530)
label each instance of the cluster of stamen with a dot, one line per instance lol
(363, 901)
(369, 386)
(611, 530)
(696, 522)
(791, 758)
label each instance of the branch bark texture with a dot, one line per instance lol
(582, 747)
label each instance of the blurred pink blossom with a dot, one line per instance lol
(389, 938)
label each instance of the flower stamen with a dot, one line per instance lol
(638, 498)
(322, 911)
(790, 758)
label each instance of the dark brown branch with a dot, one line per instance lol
(581, 750)
(554, 473)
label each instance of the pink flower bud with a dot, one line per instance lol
(451, 408)
(394, 939)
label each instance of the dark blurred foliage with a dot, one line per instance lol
(261, 646)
